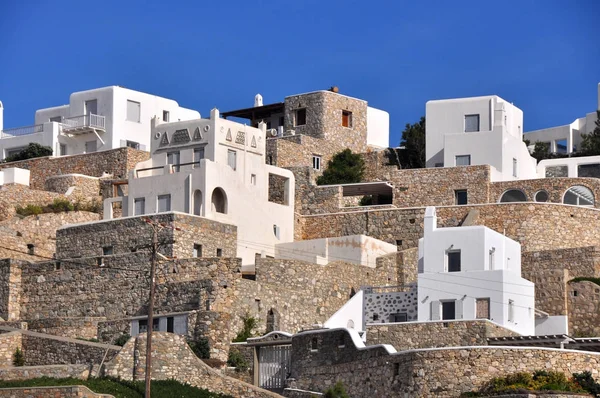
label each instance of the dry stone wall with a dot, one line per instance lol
(85, 188)
(51, 392)
(555, 187)
(81, 371)
(15, 195)
(583, 300)
(9, 342)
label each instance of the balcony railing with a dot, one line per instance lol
(18, 131)
(84, 122)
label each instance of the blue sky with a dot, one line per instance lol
(544, 56)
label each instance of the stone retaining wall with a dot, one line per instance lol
(583, 301)
(9, 342)
(86, 188)
(555, 187)
(14, 195)
(81, 371)
(51, 392)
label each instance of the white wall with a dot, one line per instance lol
(47, 137)
(556, 324)
(571, 163)
(14, 175)
(378, 128)
(350, 315)
(355, 249)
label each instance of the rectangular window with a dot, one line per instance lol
(514, 167)
(471, 123)
(511, 311)
(133, 111)
(281, 121)
(107, 251)
(439, 165)
(400, 317)
(198, 156)
(90, 146)
(197, 250)
(91, 106)
(139, 205)
(143, 325)
(173, 158)
(231, 158)
(453, 258)
(346, 119)
(314, 344)
(482, 308)
(132, 144)
(155, 325)
(170, 324)
(219, 252)
(463, 160)
(316, 162)
(460, 196)
(165, 116)
(57, 119)
(63, 149)
(448, 310)
(164, 203)
(253, 179)
(300, 117)
(492, 258)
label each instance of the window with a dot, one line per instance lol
(164, 203)
(439, 165)
(541, 196)
(133, 111)
(300, 117)
(143, 325)
(63, 149)
(492, 259)
(197, 250)
(219, 201)
(198, 156)
(314, 344)
(253, 179)
(453, 259)
(107, 251)
(91, 106)
(448, 310)
(513, 195)
(197, 202)
(170, 324)
(165, 116)
(132, 144)
(463, 160)
(460, 196)
(57, 119)
(316, 162)
(173, 158)
(588, 170)
(579, 195)
(12, 151)
(31, 249)
(139, 205)
(231, 158)
(482, 308)
(346, 119)
(90, 146)
(276, 231)
(514, 167)
(219, 252)
(471, 123)
(269, 125)
(400, 317)
(281, 121)
(511, 310)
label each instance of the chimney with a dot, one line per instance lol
(258, 100)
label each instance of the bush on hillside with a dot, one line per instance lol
(344, 167)
(33, 150)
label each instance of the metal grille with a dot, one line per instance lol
(273, 366)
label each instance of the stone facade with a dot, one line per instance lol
(448, 372)
(14, 195)
(173, 359)
(51, 392)
(85, 188)
(555, 187)
(9, 342)
(409, 336)
(116, 162)
(583, 301)
(380, 306)
(81, 371)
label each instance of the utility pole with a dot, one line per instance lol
(151, 308)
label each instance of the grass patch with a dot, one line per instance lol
(60, 206)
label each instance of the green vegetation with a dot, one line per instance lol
(92, 340)
(344, 167)
(590, 143)
(121, 388)
(60, 205)
(413, 141)
(18, 358)
(540, 380)
(337, 391)
(250, 324)
(122, 339)
(541, 151)
(237, 360)
(33, 150)
(586, 278)
(200, 347)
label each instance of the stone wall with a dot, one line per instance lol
(9, 342)
(15, 195)
(555, 187)
(408, 336)
(173, 359)
(85, 188)
(85, 328)
(583, 300)
(10, 289)
(448, 372)
(380, 305)
(81, 371)
(51, 392)
(115, 161)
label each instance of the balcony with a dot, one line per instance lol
(19, 131)
(84, 124)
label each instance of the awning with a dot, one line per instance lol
(257, 112)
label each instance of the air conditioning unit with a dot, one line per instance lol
(272, 133)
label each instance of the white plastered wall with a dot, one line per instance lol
(378, 128)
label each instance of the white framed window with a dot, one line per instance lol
(173, 159)
(139, 205)
(133, 111)
(471, 123)
(232, 158)
(511, 310)
(198, 156)
(316, 162)
(463, 160)
(453, 261)
(163, 203)
(253, 179)
(514, 167)
(197, 250)
(165, 116)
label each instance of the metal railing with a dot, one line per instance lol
(387, 289)
(18, 131)
(89, 120)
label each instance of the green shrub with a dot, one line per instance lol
(587, 382)
(540, 380)
(18, 357)
(122, 339)
(92, 340)
(337, 391)
(29, 210)
(366, 200)
(200, 347)
(250, 324)
(344, 167)
(237, 360)
(93, 206)
(33, 150)
(61, 205)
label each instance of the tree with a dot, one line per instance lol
(33, 150)
(590, 143)
(541, 151)
(344, 167)
(413, 141)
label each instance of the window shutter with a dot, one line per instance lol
(435, 310)
(135, 328)
(458, 308)
(180, 324)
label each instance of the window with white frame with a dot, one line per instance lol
(453, 260)
(232, 158)
(173, 159)
(316, 162)
(139, 206)
(165, 116)
(163, 203)
(133, 111)
(514, 167)
(471, 123)
(463, 160)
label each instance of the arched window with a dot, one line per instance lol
(579, 195)
(197, 202)
(513, 195)
(219, 201)
(541, 196)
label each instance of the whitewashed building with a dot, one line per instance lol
(94, 120)
(478, 131)
(214, 168)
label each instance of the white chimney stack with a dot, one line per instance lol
(258, 100)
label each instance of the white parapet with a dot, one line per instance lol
(14, 175)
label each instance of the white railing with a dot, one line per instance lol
(90, 120)
(18, 131)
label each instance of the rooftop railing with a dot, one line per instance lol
(89, 120)
(19, 131)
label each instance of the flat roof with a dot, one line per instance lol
(256, 112)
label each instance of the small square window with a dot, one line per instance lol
(514, 167)
(164, 203)
(197, 250)
(107, 251)
(231, 158)
(375, 317)
(471, 123)
(460, 196)
(165, 116)
(139, 206)
(300, 117)
(219, 252)
(133, 111)
(314, 344)
(453, 261)
(463, 160)
(316, 162)
(346, 119)
(253, 179)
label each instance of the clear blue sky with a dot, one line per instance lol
(544, 56)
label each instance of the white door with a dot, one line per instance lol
(91, 107)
